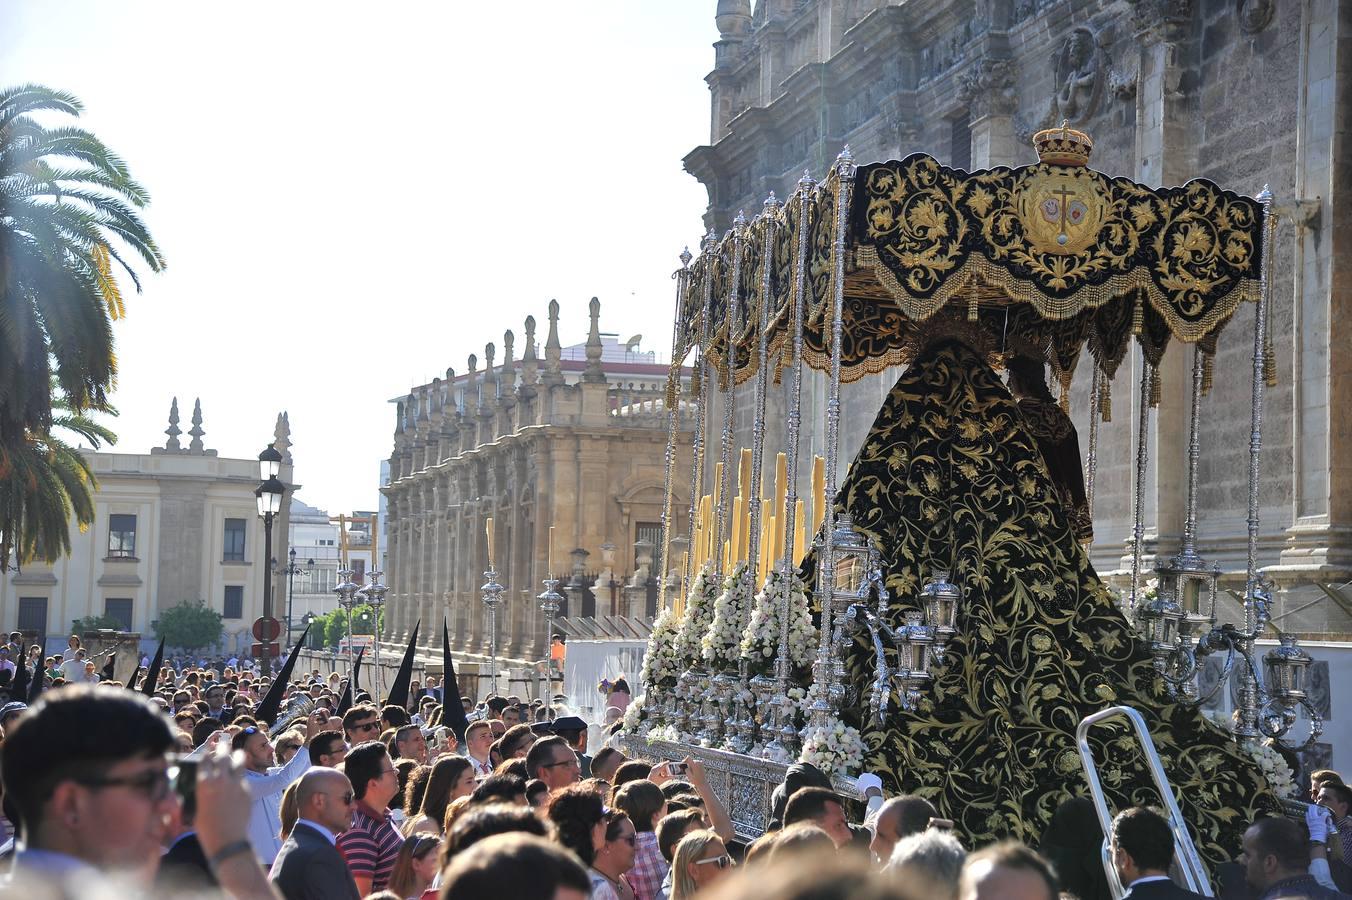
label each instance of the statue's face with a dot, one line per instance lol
(1081, 46)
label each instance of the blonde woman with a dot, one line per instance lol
(700, 860)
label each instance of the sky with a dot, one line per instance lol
(352, 197)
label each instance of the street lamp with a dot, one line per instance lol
(307, 620)
(269, 494)
(292, 570)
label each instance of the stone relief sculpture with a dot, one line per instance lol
(1254, 15)
(1080, 68)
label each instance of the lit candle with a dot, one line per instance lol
(818, 493)
(549, 554)
(488, 533)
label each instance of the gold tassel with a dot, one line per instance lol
(1138, 315)
(1105, 398)
(1156, 388)
(972, 308)
(1208, 367)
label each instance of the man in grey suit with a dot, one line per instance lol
(1143, 849)
(309, 866)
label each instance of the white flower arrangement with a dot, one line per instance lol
(634, 716)
(661, 663)
(1150, 591)
(836, 749)
(721, 642)
(664, 733)
(699, 615)
(760, 640)
(1276, 771)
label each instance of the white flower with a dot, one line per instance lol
(661, 662)
(699, 614)
(722, 642)
(634, 716)
(762, 635)
(1276, 771)
(836, 750)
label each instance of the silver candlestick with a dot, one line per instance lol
(374, 594)
(492, 597)
(550, 601)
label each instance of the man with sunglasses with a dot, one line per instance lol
(309, 866)
(361, 723)
(373, 842)
(266, 784)
(86, 771)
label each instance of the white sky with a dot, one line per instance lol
(358, 195)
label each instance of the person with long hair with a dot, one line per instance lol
(289, 810)
(450, 778)
(614, 858)
(580, 817)
(415, 867)
(701, 858)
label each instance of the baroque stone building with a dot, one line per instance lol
(575, 440)
(1246, 93)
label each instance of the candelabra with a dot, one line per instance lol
(347, 599)
(492, 597)
(374, 594)
(550, 601)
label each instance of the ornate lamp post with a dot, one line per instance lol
(292, 570)
(269, 495)
(374, 593)
(347, 599)
(492, 597)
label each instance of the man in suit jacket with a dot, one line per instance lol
(1143, 848)
(309, 866)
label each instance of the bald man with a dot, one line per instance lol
(898, 818)
(309, 866)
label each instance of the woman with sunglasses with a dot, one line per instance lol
(614, 859)
(700, 859)
(415, 867)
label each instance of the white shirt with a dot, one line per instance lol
(72, 670)
(1143, 879)
(480, 767)
(265, 818)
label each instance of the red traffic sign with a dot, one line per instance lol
(266, 628)
(274, 649)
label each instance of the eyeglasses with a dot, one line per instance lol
(347, 797)
(562, 762)
(721, 861)
(630, 839)
(154, 784)
(366, 726)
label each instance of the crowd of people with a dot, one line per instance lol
(192, 787)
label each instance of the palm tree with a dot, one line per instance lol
(44, 481)
(68, 217)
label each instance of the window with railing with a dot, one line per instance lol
(121, 536)
(234, 541)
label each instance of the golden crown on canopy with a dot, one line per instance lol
(1063, 146)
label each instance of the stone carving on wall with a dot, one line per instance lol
(988, 88)
(1254, 15)
(1080, 71)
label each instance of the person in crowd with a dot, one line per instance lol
(822, 808)
(309, 865)
(515, 766)
(573, 730)
(510, 789)
(516, 742)
(393, 716)
(1276, 862)
(700, 859)
(797, 776)
(580, 819)
(1073, 845)
(1317, 779)
(288, 811)
(898, 818)
(449, 778)
(485, 821)
(415, 789)
(81, 758)
(802, 839)
(673, 827)
(511, 713)
(632, 770)
(73, 666)
(1337, 799)
(286, 745)
(410, 743)
(328, 749)
(515, 865)
(645, 805)
(929, 862)
(605, 762)
(415, 867)
(184, 867)
(1007, 871)
(1142, 846)
(553, 762)
(614, 859)
(403, 769)
(266, 783)
(373, 841)
(215, 700)
(361, 723)
(478, 740)
(537, 795)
